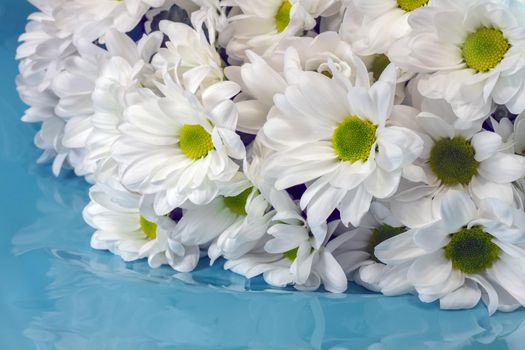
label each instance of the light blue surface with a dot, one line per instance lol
(57, 293)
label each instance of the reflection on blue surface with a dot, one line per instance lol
(57, 293)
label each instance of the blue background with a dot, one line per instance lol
(57, 293)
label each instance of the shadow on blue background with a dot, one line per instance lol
(57, 293)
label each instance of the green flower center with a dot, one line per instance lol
(471, 250)
(353, 139)
(484, 49)
(452, 161)
(195, 142)
(381, 234)
(411, 5)
(237, 204)
(282, 18)
(291, 254)
(149, 228)
(379, 64)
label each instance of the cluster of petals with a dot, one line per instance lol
(310, 142)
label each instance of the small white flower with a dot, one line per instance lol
(177, 148)
(119, 79)
(75, 86)
(188, 57)
(372, 26)
(469, 253)
(259, 25)
(472, 52)
(338, 139)
(127, 228)
(91, 19)
(291, 255)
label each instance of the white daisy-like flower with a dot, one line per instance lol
(119, 79)
(76, 83)
(468, 253)
(42, 54)
(91, 19)
(472, 160)
(207, 15)
(371, 27)
(253, 208)
(337, 138)
(232, 224)
(178, 148)
(261, 78)
(259, 25)
(291, 254)
(354, 250)
(126, 227)
(472, 52)
(315, 54)
(188, 57)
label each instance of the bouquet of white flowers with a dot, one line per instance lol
(313, 142)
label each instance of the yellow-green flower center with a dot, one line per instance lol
(282, 18)
(411, 5)
(381, 234)
(471, 250)
(195, 142)
(291, 254)
(237, 204)
(353, 139)
(452, 161)
(378, 65)
(149, 228)
(484, 49)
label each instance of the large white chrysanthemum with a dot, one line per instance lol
(179, 148)
(476, 161)
(259, 25)
(291, 254)
(372, 26)
(354, 250)
(338, 138)
(468, 253)
(127, 228)
(261, 78)
(473, 53)
(188, 57)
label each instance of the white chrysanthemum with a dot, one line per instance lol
(127, 229)
(259, 25)
(91, 19)
(472, 160)
(177, 148)
(253, 208)
(262, 78)
(468, 253)
(472, 51)
(354, 250)
(119, 78)
(42, 53)
(338, 139)
(188, 57)
(76, 82)
(373, 26)
(291, 255)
